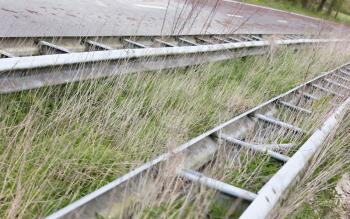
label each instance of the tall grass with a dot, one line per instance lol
(315, 195)
(60, 143)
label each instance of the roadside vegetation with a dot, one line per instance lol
(334, 10)
(319, 194)
(60, 143)
(249, 170)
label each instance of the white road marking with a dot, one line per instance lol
(233, 15)
(150, 6)
(282, 21)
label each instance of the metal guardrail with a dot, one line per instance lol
(200, 150)
(35, 46)
(29, 72)
(270, 195)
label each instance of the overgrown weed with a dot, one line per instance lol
(60, 143)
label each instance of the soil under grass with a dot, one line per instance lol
(60, 143)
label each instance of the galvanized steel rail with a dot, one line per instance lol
(202, 149)
(34, 63)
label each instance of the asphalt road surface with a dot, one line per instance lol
(24, 18)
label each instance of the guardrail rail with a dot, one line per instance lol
(38, 62)
(271, 115)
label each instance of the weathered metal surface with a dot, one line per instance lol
(200, 150)
(23, 73)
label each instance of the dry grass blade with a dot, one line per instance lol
(60, 143)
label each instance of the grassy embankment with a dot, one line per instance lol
(297, 8)
(60, 143)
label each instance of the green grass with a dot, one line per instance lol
(314, 196)
(60, 143)
(297, 8)
(343, 18)
(323, 206)
(262, 167)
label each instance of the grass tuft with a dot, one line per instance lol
(60, 143)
